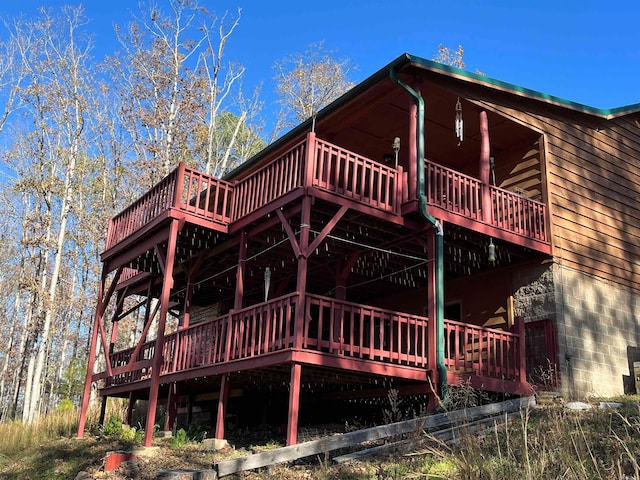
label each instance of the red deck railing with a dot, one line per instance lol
(155, 201)
(269, 183)
(332, 327)
(331, 169)
(122, 358)
(246, 333)
(518, 214)
(356, 177)
(203, 196)
(453, 191)
(365, 332)
(461, 194)
(184, 188)
(483, 351)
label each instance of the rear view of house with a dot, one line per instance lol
(430, 227)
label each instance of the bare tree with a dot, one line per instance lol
(452, 58)
(174, 84)
(46, 152)
(448, 57)
(308, 81)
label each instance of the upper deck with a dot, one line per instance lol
(327, 171)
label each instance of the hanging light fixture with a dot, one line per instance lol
(396, 148)
(267, 283)
(459, 122)
(492, 251)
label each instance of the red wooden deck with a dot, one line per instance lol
(392, 343)
(327, 169)
(301, 328)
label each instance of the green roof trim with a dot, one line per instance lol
(608, 113)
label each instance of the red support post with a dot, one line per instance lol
(307, 171)
(179, 179)
(485, 169)
(237, 305)
(305, 220)
(92, 357)
(294, 404)
(413, 161)
(186, 316)
(167, 285)
(222, 406)
(172, 408)
(130, 407)
(114, 336)
(522, 354)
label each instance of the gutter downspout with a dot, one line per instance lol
(439, 250)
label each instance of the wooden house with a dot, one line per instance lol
(430, 227)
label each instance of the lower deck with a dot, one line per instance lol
(334, 338)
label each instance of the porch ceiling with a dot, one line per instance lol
(382, 259)
(369, 123)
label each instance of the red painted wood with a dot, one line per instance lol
(375, 328)
(158, 358)
(541, 351)
(355, 177)
(222, 406)
(294, 404)
(484, 175)
(113, 460)
(204, 196)
(521, 359)
(255, 190)
(482, 351)
(334, 332)
(92, 355)
(461, 194)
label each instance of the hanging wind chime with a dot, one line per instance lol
(459, 122)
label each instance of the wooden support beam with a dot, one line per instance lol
(242, 260)
(445, 435)
(131, 310)
(167, 285)
(172, 408)
(301, 287)
(326, 230)
(485, 170)
(290, 234)
(141, 341)
(522, 358)
(98, 329)
(222, 406)
(130, 407)
(294, 404)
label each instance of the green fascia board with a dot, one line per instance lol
(522, 91)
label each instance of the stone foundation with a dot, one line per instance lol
(597, 326)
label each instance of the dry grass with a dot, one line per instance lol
(543, 443)
(552, 443)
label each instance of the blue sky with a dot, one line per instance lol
(585, 51)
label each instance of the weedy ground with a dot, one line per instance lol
(545, 442)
